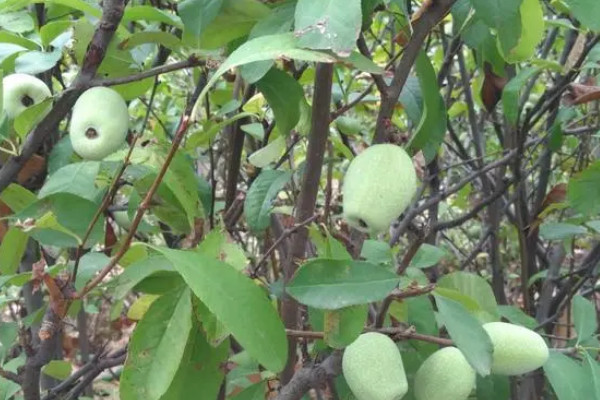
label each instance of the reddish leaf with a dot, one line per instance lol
(491, 90)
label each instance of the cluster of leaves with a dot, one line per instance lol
(203, 276)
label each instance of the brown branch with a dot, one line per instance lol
(284, 235)
(146, 202)
(191, 62)
(421, 29)
(11, 376)
(307, 199)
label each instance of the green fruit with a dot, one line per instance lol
(372, 366)
(21, 91)
(444, 375)
(378, 186)
(99, 123)
(517, 350)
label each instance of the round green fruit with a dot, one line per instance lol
(372, 366)
(99, 123)
(21, 91)
(446, 374)
(378, 186)
(517, 350)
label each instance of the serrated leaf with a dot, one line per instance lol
(566, 376)
(198, 14)
(427, 256)
(467, 334)
(156, 347)
(12, 249)
(474, 286)
(237, 302)
(584, 190)
(200, 371)
(283, 93)
(328, 24)
(77, 179)
(333, 284)
(510, 93)
(432, 127)
(586, 11)
(343, 326)
(58, 369)
(258, 203)
(560, 230)
(584, 318)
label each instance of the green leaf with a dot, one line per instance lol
(280, 20)
(567, 377)
(343, 326)
(427, 256)
(586, 11)
(432, 127)
(9, 388)
(165, 39)
(467, 334)
(510, 93)
(200, 371)
(12, 249)
(503, 16)
(516, 316)
(584, 190)
(237, 302)
(152, 275)
(493, 387)
(35, 62)
(377, 252)
(560, 230)
(235, 20)
(77, 179)
(592, 370)
(89, 264)
(268, 154)
(584, 318)
(328, 24)
(30, 117)
(198, 14)
(218, 245)
(532, 31)
(17, 22)
(327, 246)
(156, 347)
(58, 369)
(283, 93)
(333, 284)
(8, 335)
(264, 190)
(474, 286)
(263, 48)
(252, 392)
(151, 14)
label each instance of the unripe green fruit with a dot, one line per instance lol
(378, 186)
(99, 123)
(373, 368)
(444, 375)
(517, 350)
(21, 91)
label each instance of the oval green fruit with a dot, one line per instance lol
(21, 91)
(517, 350)
(444, 375)
(99, 123)
(378, 186)
(372, 366)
